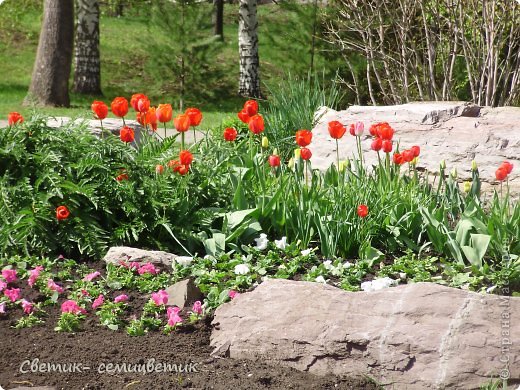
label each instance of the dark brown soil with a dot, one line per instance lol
(96, 345)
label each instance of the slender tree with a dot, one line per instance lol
(218, 18)
(249, 83)
(50, 78)
(87, 70)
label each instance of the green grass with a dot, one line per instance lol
(129, 59)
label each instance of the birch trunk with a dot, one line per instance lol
(87, 75)
(50, 77)
(249, 83)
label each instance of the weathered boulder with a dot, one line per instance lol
(117, 253)
(457, 132)
(183, 293)
(413, 336)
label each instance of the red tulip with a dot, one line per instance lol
(100, 109)
(274, 160)
(242, 115)
(159, 169)
(62, 212)
(398, 159)
(151, 118)
(507, 166)
(183, 169)
(14, 118)
(336, 130)
(230, 134)
(126, 134)
(173, 164)
(374, 130)
(251, 107)
(182, 123)
(143, 104)
(501, 174)
(387, 146)
(303, 137)
(134, 100)
(385, 131)
(256, 124)
(185, 157)
(305, 154)
(408, 156)
(362, 210)
(122, 176)
(195, 116)
(416, 150)
(376, 144)
(164, 113)
(119, 106)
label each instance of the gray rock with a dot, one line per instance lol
(117, 253)
(415, 336)
(34, 388)
(453, 131)
(183, 293)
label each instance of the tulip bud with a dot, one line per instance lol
(467, 186)
(474, 166)
(443, 164)
(415, 161)
(341, 167)
(453, 173)
(290, 164)
(297, 154)
(265, 143)
(275, 151)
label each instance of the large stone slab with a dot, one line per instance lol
(416, 336)
(125, 253)
(457, 132)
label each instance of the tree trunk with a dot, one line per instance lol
(87, 75)
(249, 84)
(50, 78)
(218, 18)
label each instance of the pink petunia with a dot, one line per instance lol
(98, 301)
(147, 268)
(160, 297)
(12, 293)
(173, 316)
(9, 275)
(3, 285)
(90, 277)
(85, 293)
(51, 284)
(72, 307)
(233, 294)
(121, 298)
(2, 308)
(34, 274)
(27, 306)
(197, 308)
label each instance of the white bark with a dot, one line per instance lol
(249, 83)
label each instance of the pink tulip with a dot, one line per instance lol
(51, 284)
(197, 308)
(12, 293)
(34, 274)
(160, 298)
(72, 307)
(3, 285)
(27, 306)
(9, 275)
(359, 128)
(147, 268)
(90, 277)
(233, 294)
(121, 298)
(98, 302)
(2, 308)
(173, 316)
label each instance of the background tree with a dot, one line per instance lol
(218, 18)
(249, 82)
(87, 65)
(50, 78)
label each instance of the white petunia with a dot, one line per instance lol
(402, 275)
(306, 252)
(261, 242)
(282, 243)
(241, 269)
(320, 279)
(328, 265)
(347, 264)
(378, 284)
(184, 260)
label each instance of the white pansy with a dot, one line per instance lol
(378, 284)
(261, 242)
(320, 279)
(184, 260)
(306, 252)
(328, 265)
(282, 243)
(241, 269)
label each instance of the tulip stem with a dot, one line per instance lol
(337, 152)
(124, 123)
(194, 135)
(360, 152)
(182, 141)
(164, 130)
(102, 130)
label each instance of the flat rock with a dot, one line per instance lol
(117, 253)
(414, 336)
(183, 293)
(33, 388)
(457, 132)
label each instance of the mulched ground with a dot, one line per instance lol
(96, 347)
